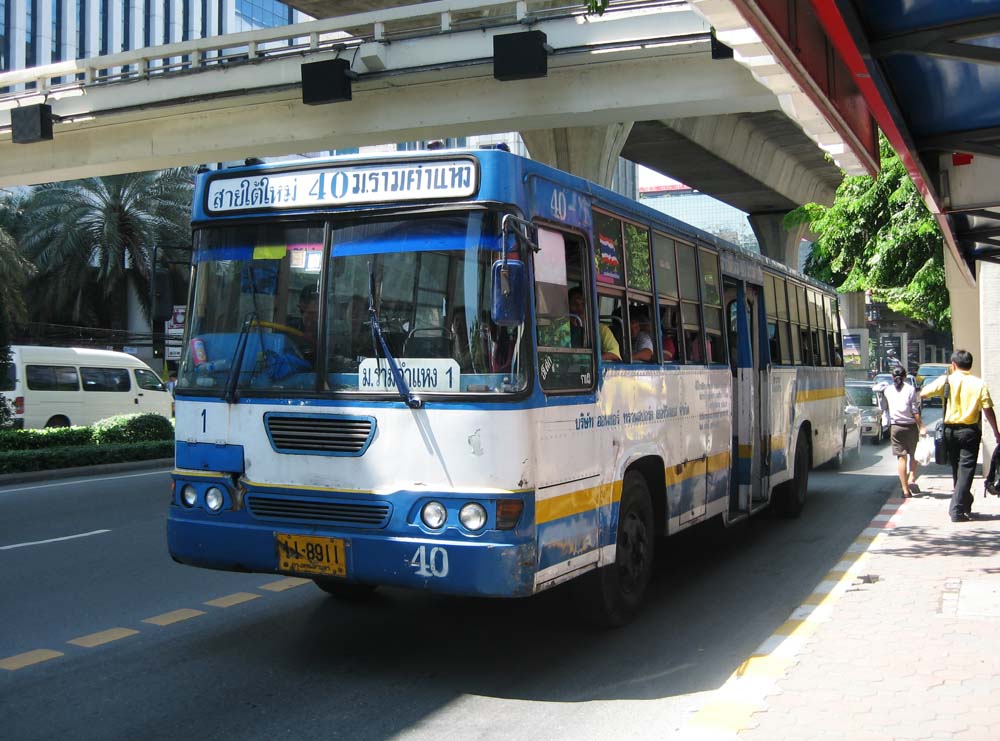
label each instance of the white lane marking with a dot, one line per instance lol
(83, 479)
(53, 540)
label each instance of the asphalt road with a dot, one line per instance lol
(262, 663)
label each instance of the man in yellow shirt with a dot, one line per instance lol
(968, 401)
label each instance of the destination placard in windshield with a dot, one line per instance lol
(343, 185)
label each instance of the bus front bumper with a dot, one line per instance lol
(440, 564)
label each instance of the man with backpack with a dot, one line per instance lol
(967, 400)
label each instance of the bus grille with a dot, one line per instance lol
(319, 434)
(344, 512)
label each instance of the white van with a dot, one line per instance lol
(62, 386)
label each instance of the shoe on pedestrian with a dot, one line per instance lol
(991, 488)
(961, 517)
(914, 489)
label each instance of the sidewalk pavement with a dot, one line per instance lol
(901, 641)
(101, 469)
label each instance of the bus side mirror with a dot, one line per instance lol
(507, 301)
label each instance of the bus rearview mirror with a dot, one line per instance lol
(508, 293)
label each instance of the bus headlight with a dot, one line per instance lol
(214, 498)
(189, 496)
(434, 515)
(473, 516)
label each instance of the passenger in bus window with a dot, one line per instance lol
(642, 342)
(668, 321)
(696, 347)
(610, 349)
(307, 321)
(577, 318)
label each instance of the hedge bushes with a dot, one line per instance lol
(126, 437)
(132, 428)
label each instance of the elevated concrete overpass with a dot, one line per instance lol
(642, 80)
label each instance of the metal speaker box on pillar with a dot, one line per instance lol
(520, 56)
(328, 81)
(31, 123)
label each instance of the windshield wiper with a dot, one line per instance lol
(412, 401)
(236, 363)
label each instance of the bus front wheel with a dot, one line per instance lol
(344, 590)
(613, 594)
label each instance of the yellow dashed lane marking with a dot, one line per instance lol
(169, 618)
(105, 636)
(12, 663)
(282, 584)
(233, 599)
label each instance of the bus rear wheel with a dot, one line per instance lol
(613, 595)
(790, 497)
(345, 590)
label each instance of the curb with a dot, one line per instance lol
(84, 471)
(745, 692)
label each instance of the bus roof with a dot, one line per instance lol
(491, 160)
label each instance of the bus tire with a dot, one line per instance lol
(790, 497)
(345, 590)
(612, 595)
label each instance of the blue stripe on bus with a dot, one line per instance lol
(208, 457)
(567, 537)
(779, 462)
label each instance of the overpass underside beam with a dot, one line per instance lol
(589, 152)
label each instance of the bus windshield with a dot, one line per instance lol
(258, 294)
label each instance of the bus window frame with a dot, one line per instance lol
(626, 293)
(590, 300)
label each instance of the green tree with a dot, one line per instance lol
(14, 274)
(878, 235)
(91, 238)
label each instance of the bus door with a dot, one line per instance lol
(748, 448)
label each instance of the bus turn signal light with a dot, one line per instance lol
(508, 513)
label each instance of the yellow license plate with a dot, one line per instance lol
(309, 554)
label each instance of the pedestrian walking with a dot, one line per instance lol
(905, 427)
(968, 401)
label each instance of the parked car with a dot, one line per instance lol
(852, 430)
(928, 372)
(62, 386)
(874, 419)
(884, 379)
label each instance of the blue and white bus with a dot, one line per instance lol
(468, 372)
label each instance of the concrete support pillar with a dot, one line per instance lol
(775, 241)
(589, 152)
(988, 358)
(965, 311)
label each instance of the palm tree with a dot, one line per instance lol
(14, 273)
(14, 269)
(91, 238)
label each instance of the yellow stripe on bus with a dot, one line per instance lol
(585, 500)
(577, 502)
(819, 394)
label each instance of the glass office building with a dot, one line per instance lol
(702, 211)
(40, 32)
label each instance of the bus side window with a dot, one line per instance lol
(669, 322)
(694, 338)
(563, 318)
